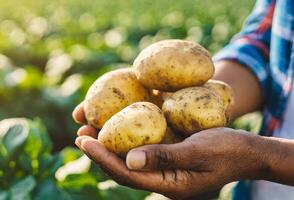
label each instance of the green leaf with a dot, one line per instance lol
(116, 193)
(49, 190)
(98, 173)
(13, 134)
(22, 188)
(33, 80)
(38, 141)
(3, 155)
(78, 181)
(25, 163)
(4, 195)
(70, 154)
(85, 194)
(81, 186)
(49, 165)
(250, 122)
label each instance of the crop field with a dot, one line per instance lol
(51, 51)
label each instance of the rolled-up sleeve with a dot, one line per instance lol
(251, 46)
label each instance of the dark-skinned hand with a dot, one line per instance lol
(202, 163)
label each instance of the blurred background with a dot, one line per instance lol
(50, 53)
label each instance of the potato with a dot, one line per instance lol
(171, 65)
(223, 90)
(171, 137)
(194, 109)
(158, 97)
(136, 125)
(111, 93)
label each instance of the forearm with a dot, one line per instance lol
(279, 156)
(276, 156)
(247, 91)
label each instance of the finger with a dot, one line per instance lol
(107, 160)
(79, 115)
(116, 168)
(160, 156)
(79, 140)
(87, 130)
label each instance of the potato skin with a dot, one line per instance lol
(171, 137)
(158, 97)
(111, 93)
(194, 109)
(170, 65)
(223, 90)
(136, 125)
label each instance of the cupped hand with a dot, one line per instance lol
(79, 117)
(202, 163)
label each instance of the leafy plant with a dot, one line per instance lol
(28, 169)
(250, 122)
(51, 51)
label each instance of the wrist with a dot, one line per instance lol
(272, 159)
(256, 164)
(279, 160)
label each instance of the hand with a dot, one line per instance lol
(202, 163)
(79, 117)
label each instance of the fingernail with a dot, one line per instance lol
(79, 140)
(136, 159)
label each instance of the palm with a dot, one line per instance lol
(171, 183)
(186, 171)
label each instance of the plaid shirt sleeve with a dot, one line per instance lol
(251, 46)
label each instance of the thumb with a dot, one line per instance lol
(159, 156)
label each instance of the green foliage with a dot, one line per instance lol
(25, 157)
(250, 122)
(28, 168)
(53, 50)
(116, 193)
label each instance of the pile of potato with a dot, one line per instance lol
(164, 97)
